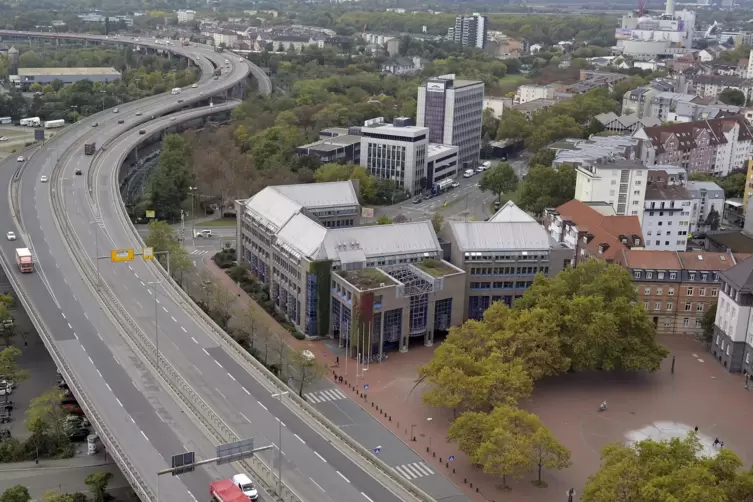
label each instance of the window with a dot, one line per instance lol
(688, 306)
(691, 276)
(728, 349)
(647, 291)
(667, 323)
(637, 274)
(672, 276)
(669, 306)
(699, 307)
(657, 306)
(698, 323)
(649, 275)
(671, 292)
(714, 292)
(660, 276)
(686, 322)
(690, 292)
(717, 339)
(645, 305)
(659, 291)
(747, 358)
(702, 292)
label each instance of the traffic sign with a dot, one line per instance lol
(183, 462)
(119, 255)
(378, 450)
(365, 386)
(148, 253)
(150, 213)
(232, 452)
(451, 458)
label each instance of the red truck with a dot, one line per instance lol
(225, 491)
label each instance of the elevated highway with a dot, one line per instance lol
(153, 372)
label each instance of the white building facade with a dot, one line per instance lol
(526, 93)
(621, 184)
(186, 16)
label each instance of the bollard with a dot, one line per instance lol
(414, 438)
(471, 484)
(427, 449)
(477, 489)
(390, 418)
(334, 373)
(364, 395)
(372, 404)
(465, 481)
(434, 454)
(440, 460)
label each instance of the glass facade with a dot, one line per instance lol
(442, 314)
(434, 114)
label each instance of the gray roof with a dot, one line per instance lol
(740, 276)
(709, 186)
(510, 213)
(499, 236)
(368, 242)
(318, 195)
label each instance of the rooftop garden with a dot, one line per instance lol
(436, 268)
(366, 278)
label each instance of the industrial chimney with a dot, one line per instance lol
(670, 10)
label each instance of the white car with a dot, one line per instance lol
(11, 236)
(194, 86)
(455, 184)
(3, 138)
(20, 158)
(243, 482)
(115, 110)
(43, 179)
(138, 114)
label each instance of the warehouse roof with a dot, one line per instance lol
(317, 195)
(34, 72)
(499, 236)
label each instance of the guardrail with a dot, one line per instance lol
(111, 444)
(220, 431)
(240, 354)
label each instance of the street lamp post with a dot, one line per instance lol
(279, 445)
(156, 317)
(103, 99)
(429, 420)
(193, 215)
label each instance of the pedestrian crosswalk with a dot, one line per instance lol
(322, 396)
(414, 470)
(199, 252)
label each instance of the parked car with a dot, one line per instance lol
(138, 114)
(121, 121)
(3, 138)
(142, 131)
(20, 158)
(115, 110)
(418, 200)
(11, 236)
(455, 184)
(95, 124)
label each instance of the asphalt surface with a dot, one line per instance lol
(145, 419)
(312, 466)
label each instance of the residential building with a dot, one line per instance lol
(666, 220)
(706, 196)
(329, 277)
(530, 92)
(712, 85)
(452, 109)
(638, 101)
(677, 289)
(341, 148)
(502, 256)
(748, 186)
(595, 150)
(732, 341)
(698, 109)
(624, 124)
(715, 146)
(402, 66)
(470, 31)
(620, 183)
(711, 52)
(186, 16)
(441, 164)
(530, 108)
(396, 152)
(591, 233)
(497, 105)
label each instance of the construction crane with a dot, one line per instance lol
(642, 7)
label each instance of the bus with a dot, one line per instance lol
(6, 120)
(442, 186)
(52, 124)
(31, 122)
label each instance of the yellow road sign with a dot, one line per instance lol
(148, 253)
(149, 213)
(118, 255)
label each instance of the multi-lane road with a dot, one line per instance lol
(148, 424)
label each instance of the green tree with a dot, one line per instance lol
(667, 470)
(7, 325)
(600, 323)
(547, 453)
(437, 220)
(384, 220)
(709, 318)
(16, 493)
(9, 369)
(333, 172)
(499, 179)
(307, 369)
(46, 420)
(733, 97)
(97, 483)
(513, 125)
(547, 187)
(56, 496)
(713, 220)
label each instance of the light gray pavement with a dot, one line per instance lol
(65, 476)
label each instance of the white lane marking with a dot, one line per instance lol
(118, 400)
(58, 266)
(320, 457)
(98, 372)
(90, 360)
(69, 325)
(139, 304)
(163, 308)
(163, 421)
(317, 485)
(277, 447)
(174, 319)
(100, 337)
(83, 348)
(134, 384)
(75, 299)
(192, 496)
(116, 360)
(75, 335)
(130, 268)
(217, 363)
(194, 340)
(132, 420)
(299, 438)
(244, 416)
(366, 497)
(142, 433)
(232, 377)
(184, 330)
(246, 390)
(197, 369)
(63, 315)
(108, 386)
(265, 408)
(205, 351)
(142, 283)
(341, 475)
(220, 393)
(126, 287)
(137, 275)
(85, 315)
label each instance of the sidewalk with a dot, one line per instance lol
(389, 399)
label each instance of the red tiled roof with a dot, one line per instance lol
(651, 260)
(602, 229)
(687, 132)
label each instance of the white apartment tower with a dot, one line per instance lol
(621, 183)
(395, 152)
(470, 31)
(452, 109)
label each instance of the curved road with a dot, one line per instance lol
(313, 467)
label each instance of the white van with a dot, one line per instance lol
(204, 233)
(487, 164)
(468, 173)
(176, 90)
(246, 485)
